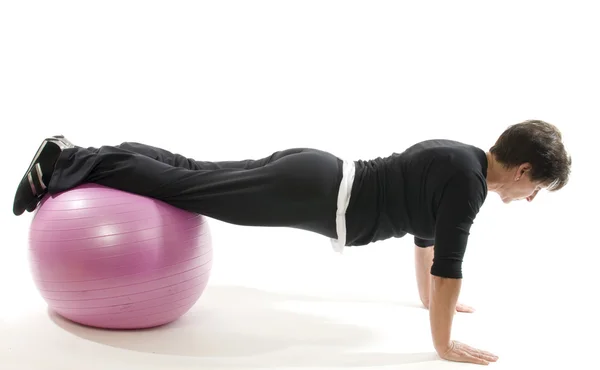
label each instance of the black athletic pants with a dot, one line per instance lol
(291, 188)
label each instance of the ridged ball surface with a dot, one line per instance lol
(111, 259)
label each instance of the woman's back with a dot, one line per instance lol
(399, 194)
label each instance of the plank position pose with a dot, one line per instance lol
(433, 191)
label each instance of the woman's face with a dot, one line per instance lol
(521, 187)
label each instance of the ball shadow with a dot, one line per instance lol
(241, 327)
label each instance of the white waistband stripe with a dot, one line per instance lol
(342, 205)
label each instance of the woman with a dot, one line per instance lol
(433, 190)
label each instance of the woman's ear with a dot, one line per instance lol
(522, 170)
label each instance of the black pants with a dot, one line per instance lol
(291, 188)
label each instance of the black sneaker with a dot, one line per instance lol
(33, 185)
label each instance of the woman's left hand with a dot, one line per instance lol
(464, 308)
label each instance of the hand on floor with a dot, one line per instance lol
(460, 307)
(460, 352)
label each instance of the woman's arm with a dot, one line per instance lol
(444, 294)
(423, 262)
(463, 196)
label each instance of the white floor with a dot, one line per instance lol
(293, 304)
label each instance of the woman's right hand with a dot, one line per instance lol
(460, 352)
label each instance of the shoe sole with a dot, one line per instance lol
(43, 145)
(58, 138)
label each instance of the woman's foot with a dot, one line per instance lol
(34, 184)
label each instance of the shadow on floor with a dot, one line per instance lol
(243, 327)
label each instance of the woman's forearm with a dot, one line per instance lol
(423, 262)
(444, 295)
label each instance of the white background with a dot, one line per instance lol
(240, 79)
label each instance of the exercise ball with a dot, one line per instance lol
(110, 259)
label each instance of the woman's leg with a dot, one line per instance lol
(290, 188)
(178, 160)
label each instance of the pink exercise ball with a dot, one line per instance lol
(110, 259)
